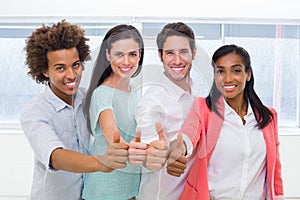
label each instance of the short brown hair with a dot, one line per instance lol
(176, 28)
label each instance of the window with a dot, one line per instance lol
(274, 50)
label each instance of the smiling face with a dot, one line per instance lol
(64, 73)
(230, 77)
(123, 56)
(177, 58)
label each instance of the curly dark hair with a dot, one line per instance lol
(62, 35)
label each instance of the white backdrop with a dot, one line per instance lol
(278, 9)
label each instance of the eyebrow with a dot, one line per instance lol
(61, 64)
(235, 65)
(183, 49)
(117, 51)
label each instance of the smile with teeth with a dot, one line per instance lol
(177, 69)
(71, 85)
(229, 86)
(125, 69)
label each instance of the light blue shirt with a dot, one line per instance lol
(50, 123)
(121, 184)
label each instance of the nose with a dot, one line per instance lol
(126, 60)
(227, 77)
(177, 59)
(70, 73)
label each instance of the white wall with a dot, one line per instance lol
(279, 9)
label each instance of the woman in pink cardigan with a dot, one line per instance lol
(234, 136)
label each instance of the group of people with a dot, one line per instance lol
(110, 143)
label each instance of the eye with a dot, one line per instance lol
(119, 54)
(219, 71)
(133, 54)
(77, 65)
(169, 52)
(184, 51)
(237, 70)
(59, 68)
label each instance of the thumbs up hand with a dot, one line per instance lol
(157, 151)
(137, 150)
(116, 154)
(177, 161)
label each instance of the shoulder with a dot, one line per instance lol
(102, 91)
(274, 112)
(201, 102)
(156, 90)
(38, 108)
(81, 93)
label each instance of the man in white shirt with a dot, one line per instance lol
(168, 102)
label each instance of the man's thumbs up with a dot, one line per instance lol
(164, 142)
(157, 151)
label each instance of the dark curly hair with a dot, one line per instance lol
(62, 35)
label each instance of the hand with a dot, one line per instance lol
(177, 161)
(116, 154)
(157, 151)
(137, 150)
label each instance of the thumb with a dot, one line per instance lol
(137, 136)
(116, 137)
(179, 145)
(161, 132)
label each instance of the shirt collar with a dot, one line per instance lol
(229, 110)
(174, 89)
(59, 104)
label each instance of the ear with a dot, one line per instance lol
(194, 53)
(160, 56)
(249, 74)
(45, 73)
(107, 55)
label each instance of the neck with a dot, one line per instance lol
(184, 84)
(120, 84)
(239, 107)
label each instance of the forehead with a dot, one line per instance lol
(229, 60)
(176, 42)
(125, 45)
(63, 55)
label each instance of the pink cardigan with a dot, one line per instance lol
(203, 127)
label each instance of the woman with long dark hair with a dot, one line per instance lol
(234, 135)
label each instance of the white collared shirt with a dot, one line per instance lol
(237, 168)
(169, 104)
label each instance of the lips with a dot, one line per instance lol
(177, 69)
(71, 85)
(125, 69)
(229, 88)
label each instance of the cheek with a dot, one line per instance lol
(218, 79)
(115, 62)
(135, 60)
